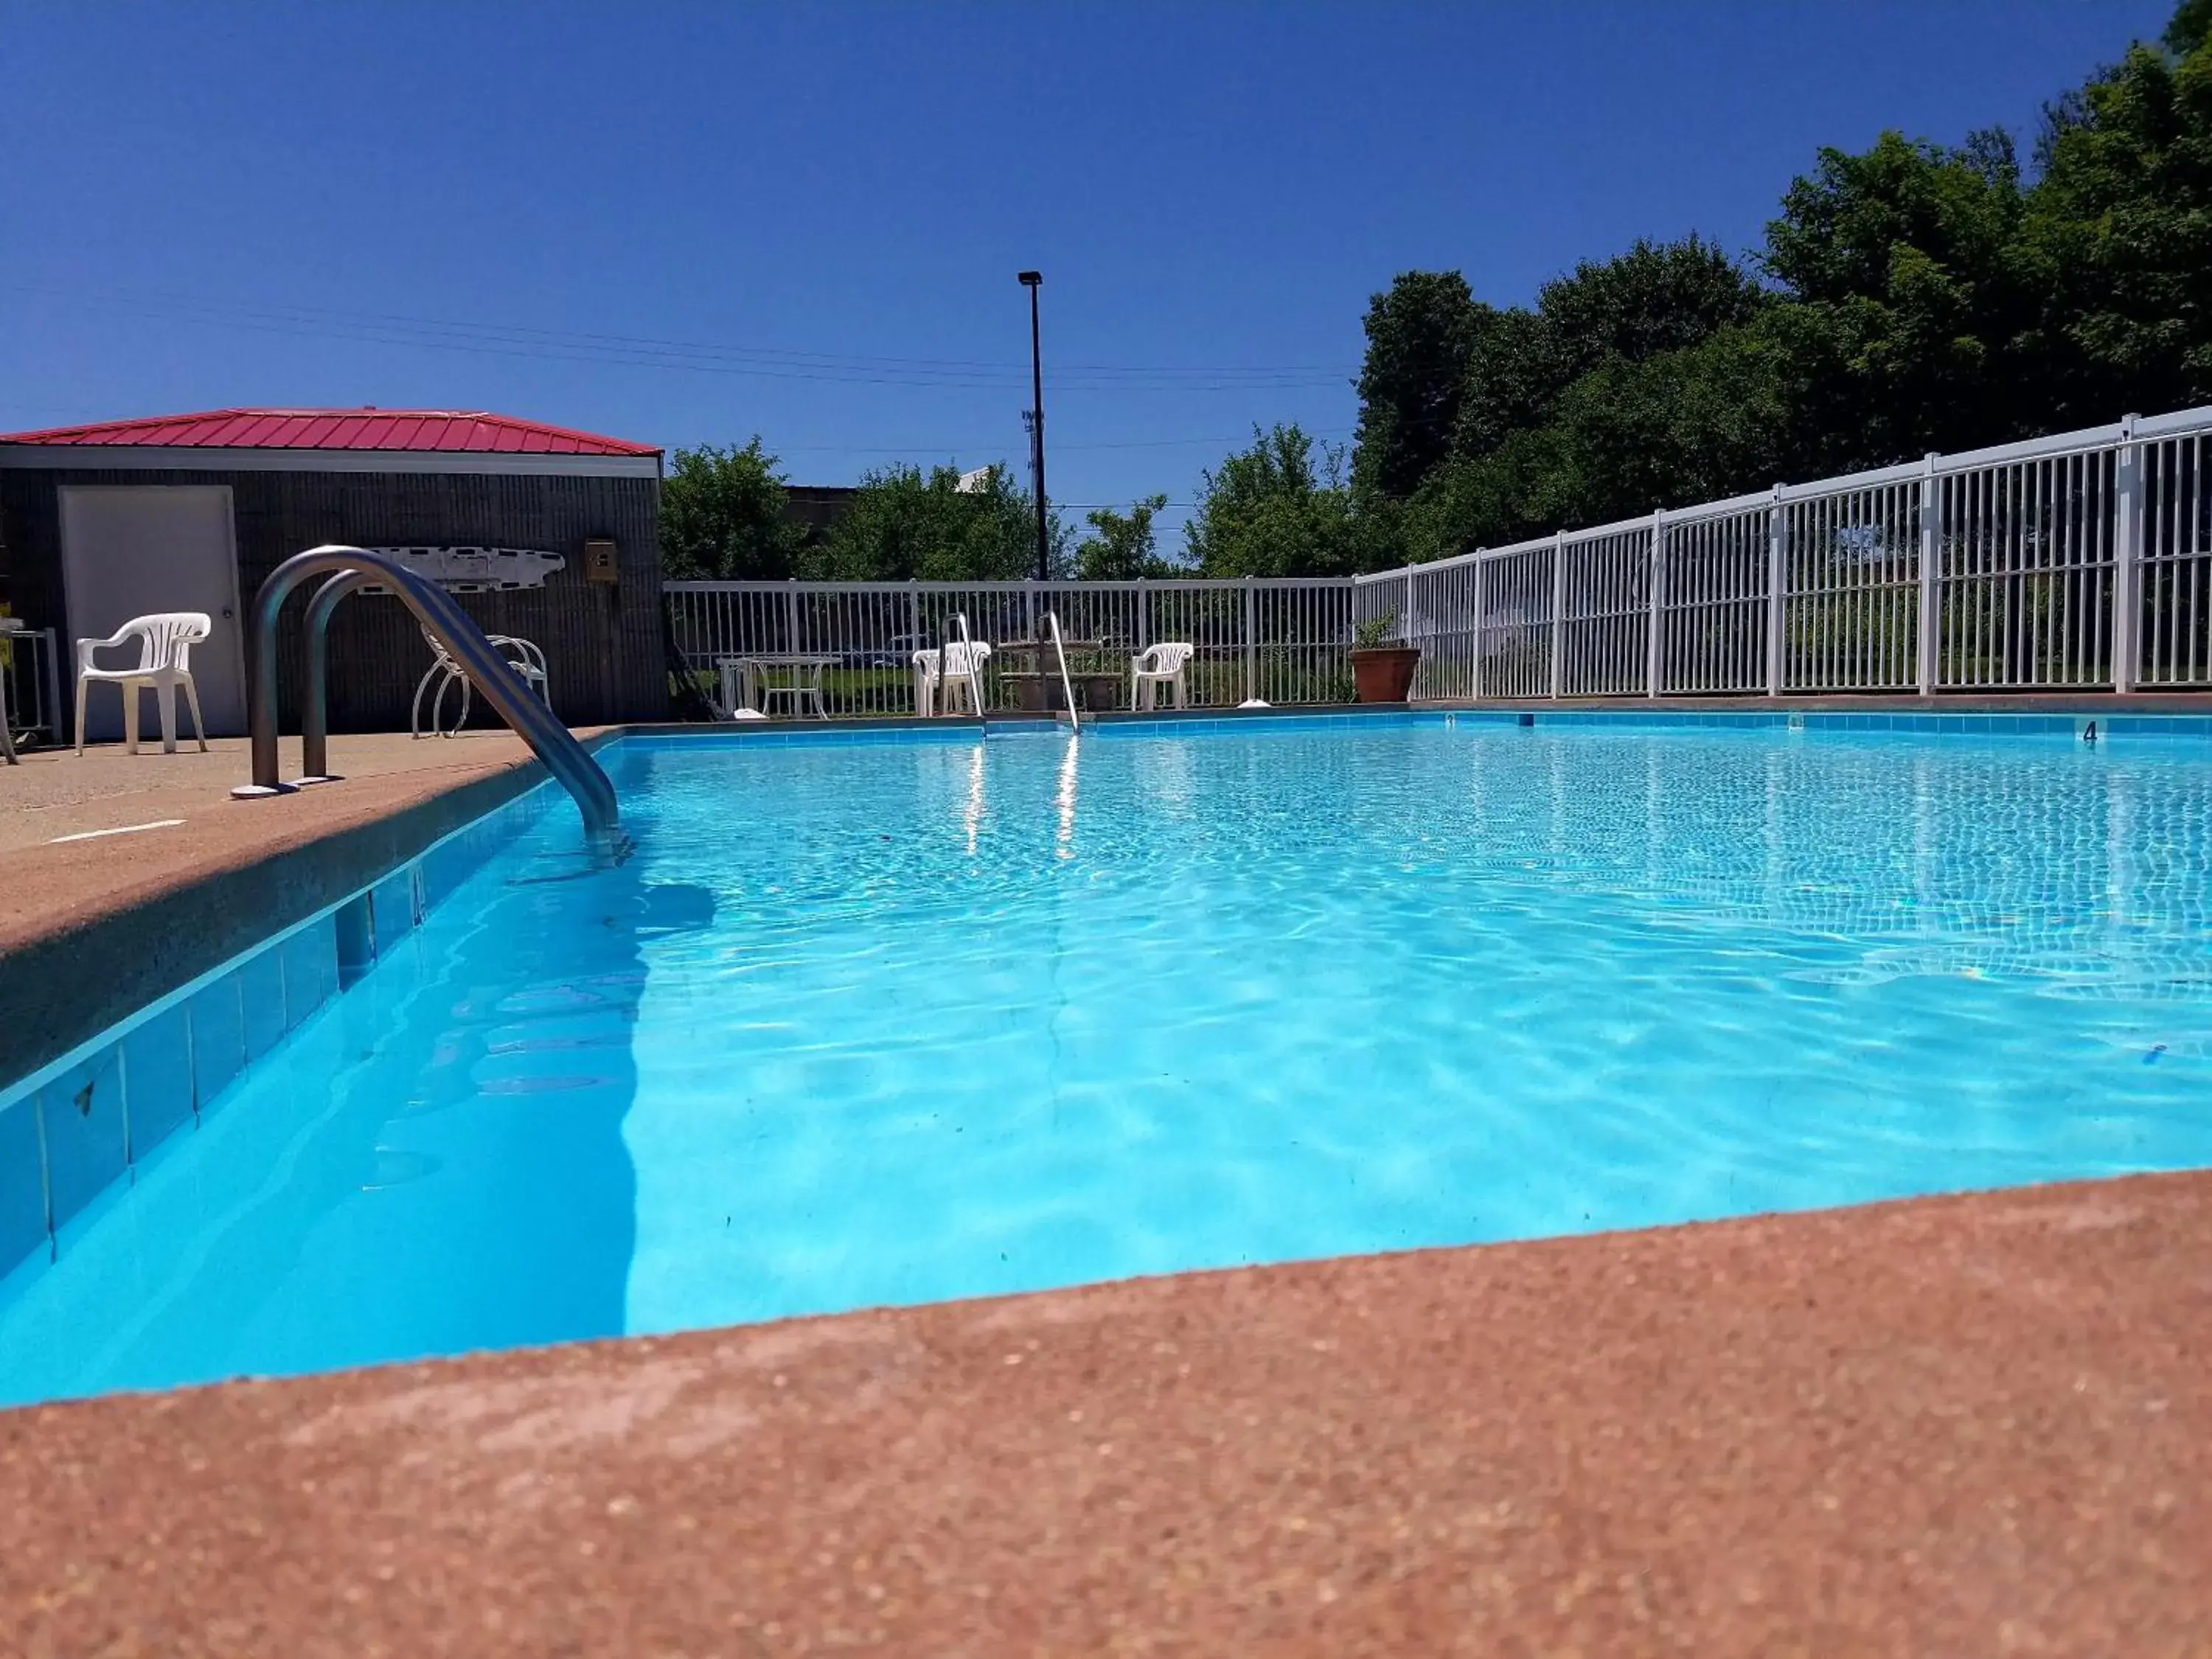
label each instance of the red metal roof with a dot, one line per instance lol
(407, 429)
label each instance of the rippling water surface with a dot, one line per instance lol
(891, 1023)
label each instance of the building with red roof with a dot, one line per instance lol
(103, 522)
(362, 432)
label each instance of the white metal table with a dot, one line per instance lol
(768, 675)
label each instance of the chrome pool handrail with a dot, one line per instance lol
(552, 742)
(314, 705)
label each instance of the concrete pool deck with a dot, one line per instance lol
(1972, 1425)
(1980, 1424)
(93, 930)
(57, 792)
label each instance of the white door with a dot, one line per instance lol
(132, 550)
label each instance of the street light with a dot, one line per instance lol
(1032, 280)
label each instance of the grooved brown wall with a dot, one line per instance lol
(602, 644)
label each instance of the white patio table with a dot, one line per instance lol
(768, 675)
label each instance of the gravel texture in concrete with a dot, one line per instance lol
(1969, 1425)
(91, 931)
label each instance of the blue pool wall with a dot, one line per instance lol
(76, 1127)
(2067, 726)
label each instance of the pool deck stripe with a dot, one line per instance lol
(1971, 1425)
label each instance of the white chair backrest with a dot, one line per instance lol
(165, 639)
(438, 649)
(514, 645)
(959, 657)
(524, 651)
(1163, 658)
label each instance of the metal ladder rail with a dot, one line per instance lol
(1067, 686)
(314, 705)
(352, 568)
(314, 710)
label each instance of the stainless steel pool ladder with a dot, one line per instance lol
(352, 568)
(1067, 686)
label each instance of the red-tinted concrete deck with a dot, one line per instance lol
(1978, 1425)
(91, 931)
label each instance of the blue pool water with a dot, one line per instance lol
(896, 1022)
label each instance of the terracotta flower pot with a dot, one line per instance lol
(1384, 673)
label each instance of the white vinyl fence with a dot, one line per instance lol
(2079, 562)
(1282, 641)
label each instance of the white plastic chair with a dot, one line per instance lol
(165, 649)
(959, 688)
(1157, 665)
(524, 658)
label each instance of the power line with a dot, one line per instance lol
(374, 328)
(993, 443)
(769, 354)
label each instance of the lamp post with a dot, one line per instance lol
(1032, 280)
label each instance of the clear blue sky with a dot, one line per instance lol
(820, 209)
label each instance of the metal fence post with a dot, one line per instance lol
(1143, 615)
(791, 615)
(1651, 637)
(2127, 559)
(913, 634)
(1475, 602)
(1930, 642)
(1776, 577)
(1558, 612)
(1251, 652)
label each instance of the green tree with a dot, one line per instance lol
(903, 525)
(1666, 376)
(1275, 509)
(2118, 243)
(1418, 333)
(1121, 545)
(1921, 296)
(2187, 28)
(1612, 396)
(1512, 378)
(722, 517)
(1655, 298)
(1904, 257)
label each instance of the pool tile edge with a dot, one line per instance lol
(200, 1037)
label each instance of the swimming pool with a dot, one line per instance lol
(893, 1021)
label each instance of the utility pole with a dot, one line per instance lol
(1032, 280)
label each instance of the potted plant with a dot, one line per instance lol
(1381, 672)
